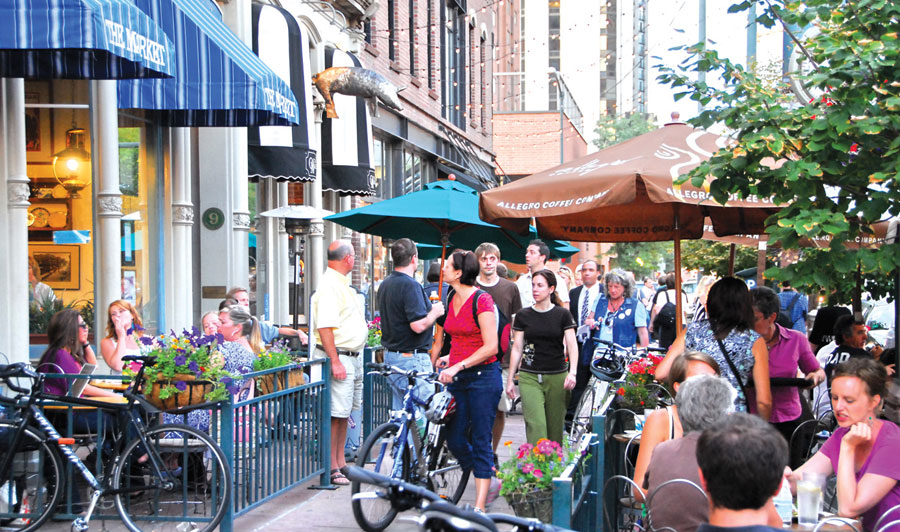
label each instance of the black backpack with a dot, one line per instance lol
(665, 318)
(503, 325)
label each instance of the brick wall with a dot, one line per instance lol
(422, 104)
(527, 143)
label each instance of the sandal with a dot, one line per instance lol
(338, 478)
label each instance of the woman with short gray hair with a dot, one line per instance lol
(618, 317)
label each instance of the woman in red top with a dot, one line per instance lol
(471, 371)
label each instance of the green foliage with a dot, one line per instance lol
(642, 258)
(712, 257)
(533, 467)
(277, 356)
(40, 313)
(615, 129)
(187, 355)
(838, 155)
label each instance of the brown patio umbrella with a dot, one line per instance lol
(627, 193)
(872, 240)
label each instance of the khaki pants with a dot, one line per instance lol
(544, 402)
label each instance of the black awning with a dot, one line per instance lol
(281, 152)
(347, 165)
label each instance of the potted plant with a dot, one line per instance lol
(527, 478)
(635, 393)
(188, 370)
(373, 342)
(278, 356)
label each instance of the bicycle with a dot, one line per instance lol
(168, 477)
(397, 450)
(438, 514)
(608, 368)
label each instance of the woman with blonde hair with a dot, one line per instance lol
(123, 329)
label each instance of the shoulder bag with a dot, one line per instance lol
(734, 370)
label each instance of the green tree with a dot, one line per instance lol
(615, 129)
(712, 257)
(838, 154)
(642, 258)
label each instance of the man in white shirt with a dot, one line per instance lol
(584, 299)
(536, 256)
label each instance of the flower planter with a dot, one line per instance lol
(281, 380)
(537, 504)
(193, 394)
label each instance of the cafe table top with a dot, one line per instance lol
(119, 386)
(833, 526)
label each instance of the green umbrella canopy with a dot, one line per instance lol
(442, 208)
(558, 250)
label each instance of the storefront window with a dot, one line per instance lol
(138, 183)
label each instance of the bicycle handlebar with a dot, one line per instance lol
(358, 474)
(19, 369)
(385, 369)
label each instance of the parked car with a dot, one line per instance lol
(879, 319)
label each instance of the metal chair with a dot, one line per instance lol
(629, 515)
(836, 520)
(675, 481)
(662, 393)
(805, 440)
(891, 510)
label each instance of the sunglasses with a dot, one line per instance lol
(609, 319)
(83, 325)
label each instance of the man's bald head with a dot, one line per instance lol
(341, 256)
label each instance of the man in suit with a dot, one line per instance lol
(582, 300)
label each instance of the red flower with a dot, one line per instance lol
(621, 391)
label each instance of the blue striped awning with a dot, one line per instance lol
(81, 39)
(219, 81)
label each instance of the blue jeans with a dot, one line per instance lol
(418, 361)
(469, 433)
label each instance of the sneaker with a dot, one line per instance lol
(493, 492)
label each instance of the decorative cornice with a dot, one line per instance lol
(18, 194)
(241, 220)
(109, 205)
(183, 214)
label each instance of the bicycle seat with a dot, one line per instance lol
(442, 516)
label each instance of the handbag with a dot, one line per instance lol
(734, 370)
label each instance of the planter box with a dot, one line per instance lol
(193, 394)
(281, 380)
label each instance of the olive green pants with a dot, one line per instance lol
(544, 402)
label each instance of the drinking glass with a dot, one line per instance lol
(809, 498)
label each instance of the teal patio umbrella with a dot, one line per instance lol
(445, 214)
(559, 249)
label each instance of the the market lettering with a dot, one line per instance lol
(607, 230)
(135, 43)
(277, 101)
(550, 204)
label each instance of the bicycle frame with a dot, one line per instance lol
(406, 418)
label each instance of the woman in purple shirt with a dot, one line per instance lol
(788, 351)
(862, 451)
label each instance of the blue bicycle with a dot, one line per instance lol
(397, 450)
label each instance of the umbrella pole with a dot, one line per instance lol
(678, 302)
(731, 254)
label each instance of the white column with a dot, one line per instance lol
(182, 219)
(316, 264)
(5, 279)
(107, 197)
(281, 266)
(17, 193)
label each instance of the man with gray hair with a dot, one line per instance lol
(702, 402)
(618, 317)
(341, 333)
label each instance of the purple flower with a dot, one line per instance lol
(181, 385)
(147, 340)
(230, 385)
(194, 367)
(180, 360)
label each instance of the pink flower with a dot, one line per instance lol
(538, 473)
(527, 468)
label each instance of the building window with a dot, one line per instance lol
(430, 42)
(392, 30)
(453, 64)
(472, 63)
(484, 83)
(367, 30)
(413, 38)
(553, 42)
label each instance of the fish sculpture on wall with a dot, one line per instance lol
(356, 81)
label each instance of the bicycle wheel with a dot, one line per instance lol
(180, 482)
(31, 489)
(445, 476)
(581, 422)
(383, 454)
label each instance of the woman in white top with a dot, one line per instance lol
(123, 328)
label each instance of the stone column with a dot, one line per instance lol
(17, 193)
(182, 219)
(107, 198)
(316, 264)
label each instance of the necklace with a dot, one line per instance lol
(615, 308)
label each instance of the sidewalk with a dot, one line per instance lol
(330, 510)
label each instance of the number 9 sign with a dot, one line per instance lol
(213, 218)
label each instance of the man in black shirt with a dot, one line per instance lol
(407, 320)
(823, 326)
(850, 334)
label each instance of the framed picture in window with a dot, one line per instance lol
(60, 265)
(38, 124)
(128, 243)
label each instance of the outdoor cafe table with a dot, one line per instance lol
(118, 386)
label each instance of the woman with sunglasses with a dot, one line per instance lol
(618, 317)
(542, 336)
